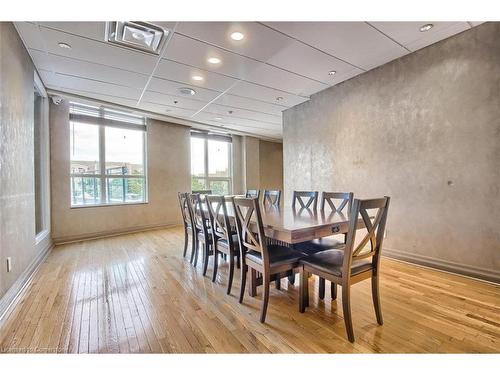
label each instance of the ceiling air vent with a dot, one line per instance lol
(137, 35)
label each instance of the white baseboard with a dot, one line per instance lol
(10, 298)
(462, 269)
(92, 236)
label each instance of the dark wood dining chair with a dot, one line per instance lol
(203, 232)
(187, 219)
(256, 254)
(202, 192)
(311, 202)
(224, 239)
(355, 263)
(271, 198)
(252, 193)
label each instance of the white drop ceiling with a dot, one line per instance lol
(285, 60)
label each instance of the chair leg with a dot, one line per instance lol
(291, 279)
(252, 288)
(206, 256)
(231, 273)
(195, 262)
(303, 290)
(333, 291)
(186, 240)
(321, 288)
(244, 270)
(238, 261)
(265, 296)
(216, 263)
(346, 305)
(376, 300)
(194, 247)
(277, 282)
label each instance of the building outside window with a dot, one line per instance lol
(108, 156)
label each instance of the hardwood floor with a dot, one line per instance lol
(135, 293)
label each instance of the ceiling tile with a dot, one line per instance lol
(249, 104)
(30, 34)
(79, 68)
(92, 30)
(310, 62)
(354, 42)
(249, 125)
(174, 71)
(97, 52)
(266, 94)
(409, 34)
(224, 111)
(174, 101)
(172, 88)
(167, 110)
(219, 34)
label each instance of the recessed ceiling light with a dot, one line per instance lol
(213, 60)
(279, 98)
(187, 91)
(426, 27)
(237, 35)
(197, 78)
(218, 118)
(331, 72)
(64, 45)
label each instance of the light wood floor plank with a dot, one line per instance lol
(136, 294)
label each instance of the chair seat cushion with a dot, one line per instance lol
(224, 242)
(278, 255)
(330, 261)
(322, 244)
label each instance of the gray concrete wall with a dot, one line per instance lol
(17, 199)
(425, 130)
(168, 154)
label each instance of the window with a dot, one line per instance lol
(108, 155)
(211, 162)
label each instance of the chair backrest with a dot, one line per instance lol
(330, 198)
(219, 219)
(187, 216)
(252, 193)
(271, 198)
(244, 209)
(204, 192)
(374, 225)
(198, 211)
(312, 201)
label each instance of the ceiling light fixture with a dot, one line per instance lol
(279, 98)
(332, 72)
(237, 36)
(213, 60)
(426, 27)
(187, 91)
(197, 78)
(218, 118)
(64, 45)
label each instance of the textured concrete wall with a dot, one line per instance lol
(425, 130)
(251, 162)
(168, 148)
(271, 165)
(238, 165)
(17, 201)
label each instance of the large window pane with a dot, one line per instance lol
(197, 157)
(218, 158)
(38, 123)
(124, 151)
(84, 148)
(85, 190)
(219, 187)
(126, 190)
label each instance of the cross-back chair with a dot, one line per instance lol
(225, 240)
(271, 198)
(310, 203)
(187, 219)
(355, 263)
(256, 254)
(252, 193)
(203, 234)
